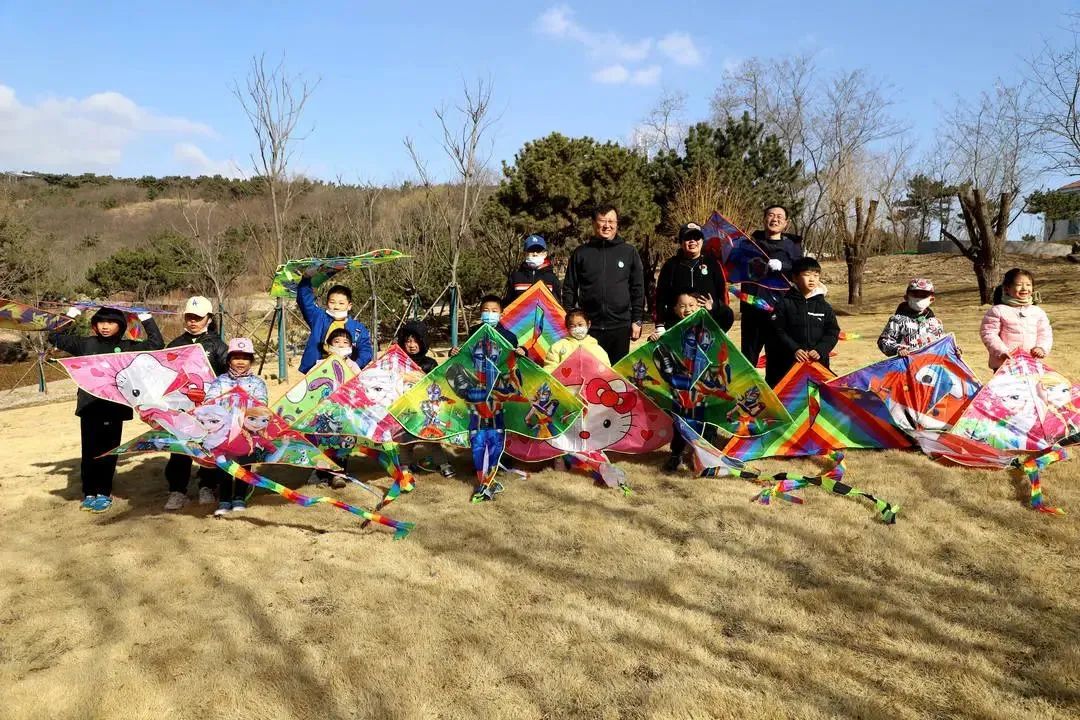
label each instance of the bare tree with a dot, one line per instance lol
(274, 102)
(856, 244)
(466, 144)
(1054, 76)
(664, 128)
(207, 254)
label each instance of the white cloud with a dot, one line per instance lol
(680, 48)
(611, 75)
(646, 76)
(196, 162)
(80, 135)
(559, 22)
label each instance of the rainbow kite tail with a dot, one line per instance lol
(1031, 467)
(239, 472)
(784, 484)
(752, 300)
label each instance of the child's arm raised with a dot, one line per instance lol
(305, 300)
(66, 338)
(154, 340)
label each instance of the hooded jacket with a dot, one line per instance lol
(605, 279)
(701, 275)
(319, 322)
(525, 277)
(909, 330)
(417, 329)
(799, 323)
(67, 340)
(215, 347)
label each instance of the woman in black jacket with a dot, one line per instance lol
(199, 328)
(101, 421)
(690, 271)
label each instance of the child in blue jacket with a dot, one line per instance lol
(323, 322)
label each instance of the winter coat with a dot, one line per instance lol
(563, 348)
(1005, 329)
(320, 323)
(605, 279)
(215, 347)
(525, 277)
(86, 405)
(252, 384)
(700, 275)
(799, 323)
(909, 330)
(787, 249)
(418, 330)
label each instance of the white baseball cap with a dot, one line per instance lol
(198, 305)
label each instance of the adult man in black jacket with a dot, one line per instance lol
(536, 268)
(690, 271)
(605, 279)
(783, 249)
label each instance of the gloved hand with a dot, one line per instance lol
(145, 316)
(775, 264)
(73, 312)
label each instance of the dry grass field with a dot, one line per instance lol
(561, 599)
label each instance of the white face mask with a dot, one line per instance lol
(919, 304)
(341, 351)
(535, 260)
(338, 314)
(579, 333)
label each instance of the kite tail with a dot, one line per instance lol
(389, 457)
(239, 472)
(749, 299)
(605, 473)
(784, 484)
(1031, 467)
(844, 335)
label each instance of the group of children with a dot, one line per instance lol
(803, 328)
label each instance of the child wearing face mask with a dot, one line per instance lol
(577, 323)
(339, 342)
(101, 421)
(490, 314)
(322, 322)
(1015, 322)
(913, 325)
(200, 329)
(536, 268)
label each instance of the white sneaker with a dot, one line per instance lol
(176, 501)
(206, 496)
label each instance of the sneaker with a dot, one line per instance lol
(206, 496)
(337, 483)
(223, 508)
(100, 504)
(672, 464)
(314, 479)
(239, 505)
(87, 502)
(446, 470)
(177, 500)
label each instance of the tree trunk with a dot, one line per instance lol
(986, 237)
(855, 267)
(856, 245)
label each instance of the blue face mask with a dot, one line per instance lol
(490, 317)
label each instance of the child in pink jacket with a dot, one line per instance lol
(1014, 322)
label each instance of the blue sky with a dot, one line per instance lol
(108, 87)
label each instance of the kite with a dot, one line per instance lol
(312, 389)
(482, 392)
(695, 371)
(134, 327)
(27, 318)
(742, 260)
(163, 386)
(288, 275)
(537, 320)
(824, 418)
(1026, 406)
(926, 390)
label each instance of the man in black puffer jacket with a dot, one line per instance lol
(605, 279)
(536, 268)
(804, 327)
(199, 328)
(783, 250)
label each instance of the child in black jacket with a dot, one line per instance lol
(804, 327)
(412, 338)
(101, 422)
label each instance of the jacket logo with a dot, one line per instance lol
(817, 315)
(704, 270)
(621, 264)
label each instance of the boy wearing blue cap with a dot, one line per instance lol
(535, 268)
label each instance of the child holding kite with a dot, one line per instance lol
(339, 342)
(1015, 322)
(101, 422)
(490, 314)
(577, 324)
(913, 325)
(199, 328)
(412, 338)
(323, 322)
(804, 327)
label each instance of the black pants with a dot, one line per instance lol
(178, 473)
(342, 461)
(756, 330)
(615, 341)
(99, 435)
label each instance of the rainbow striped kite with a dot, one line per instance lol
(537, 320)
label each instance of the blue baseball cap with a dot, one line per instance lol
(534, 241)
